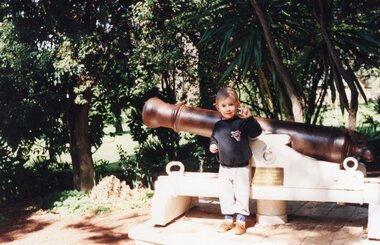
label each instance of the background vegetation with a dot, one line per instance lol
(70, 68)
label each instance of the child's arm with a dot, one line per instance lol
(213, 144)
(251, 125)
(253, 128)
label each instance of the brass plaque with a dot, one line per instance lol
(268, 176)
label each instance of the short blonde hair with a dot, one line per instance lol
(225, 93)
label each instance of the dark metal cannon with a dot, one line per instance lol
(321, 142)
(315, 167)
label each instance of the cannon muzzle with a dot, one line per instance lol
(179, 117)
(324, 143)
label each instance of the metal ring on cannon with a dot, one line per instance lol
(269, 156)
(350, 164)
(175, 173)
(262, 152)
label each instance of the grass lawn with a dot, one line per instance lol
(108, 150)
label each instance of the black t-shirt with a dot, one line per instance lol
(232, 138)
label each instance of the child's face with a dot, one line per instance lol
(228, 107)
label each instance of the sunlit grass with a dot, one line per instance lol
(106, 152)
(334, 116)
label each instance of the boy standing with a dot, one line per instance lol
(230, 139)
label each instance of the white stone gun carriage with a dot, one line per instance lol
(291, 162)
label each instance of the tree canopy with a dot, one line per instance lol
(68, 68)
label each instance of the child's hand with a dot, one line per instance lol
(244, 112)
(214, 148)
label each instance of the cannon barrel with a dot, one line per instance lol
(321, 142)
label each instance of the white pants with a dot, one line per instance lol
(234, 190)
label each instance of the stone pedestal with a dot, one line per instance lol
(271, 212)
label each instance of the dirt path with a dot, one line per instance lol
(28, 226)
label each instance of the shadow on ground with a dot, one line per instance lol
(29, 226)
(18, 223)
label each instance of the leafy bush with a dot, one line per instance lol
(151, 158)
(73, 202)
(101, 169)
(195, 158)
(41, 176)
(370, 125)
(70, 202)
(79, 203)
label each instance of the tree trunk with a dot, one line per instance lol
(280, 68)
(348, 75)
(116, 110)
(80, 147)
(118, 125)
(352, 114)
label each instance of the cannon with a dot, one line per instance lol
(325, 143)
(290, 162)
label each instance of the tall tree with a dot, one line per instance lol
(323, 12)
(315, 59)
(296, 109)
(86, 63)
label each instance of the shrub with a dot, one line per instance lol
(370, 125)
(108, 195)
(19, 181)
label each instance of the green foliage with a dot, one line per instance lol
(26, 111)
(72, 202)
(370, 124)
(114, 55)
(53, 57)
(238, 34)
(167, 64)
(151, 157)
(370, 127)
(79, 203)
(130, 169)
(301, 42)
(195, 158)
(101, 169)
(149, 160)
(19, 180)
(368, 118)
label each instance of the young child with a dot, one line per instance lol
(230, 140)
